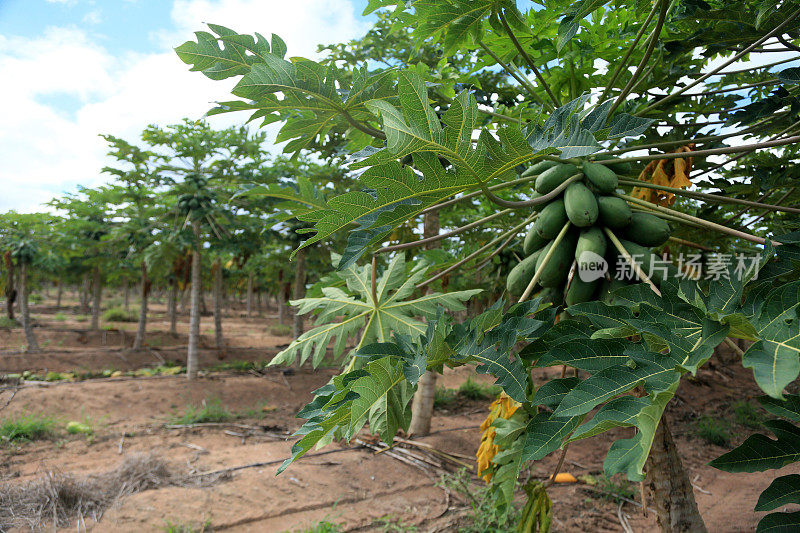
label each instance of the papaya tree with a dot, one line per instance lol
(595, 156)
(193, 152)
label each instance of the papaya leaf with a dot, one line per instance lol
(545, 433)
(789, 407)
(759, 452)
(355, 308)
(782, 491)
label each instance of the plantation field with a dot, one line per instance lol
(179, 437)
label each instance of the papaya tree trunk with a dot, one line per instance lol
(218, 339)
(11, 286)
(299, 290)
(140, 330)
(422, 406)
(281, 299)
(30, 338)
(673, 497)
(127, 291)
(194, 316)
(97, 294)
(249, 294)
(84, 298)
(172, 304)
(59, 293)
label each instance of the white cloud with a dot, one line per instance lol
(46, 149)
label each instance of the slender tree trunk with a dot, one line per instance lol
(219, 341)
(11, 286)
(172, 304)
(30, 338)
(97, 289)
(249, 295)
(127, 290)
(183, 300)
(299, 290)
(258, 302)
(673, 497)
(84, 298)
(194, 317)
(140, 330)
(281, 299)
(422, 406)
(59, 293)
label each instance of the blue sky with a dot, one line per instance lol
(73, 69)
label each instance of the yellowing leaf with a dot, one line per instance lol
(565, 477)
(667, 172)
(502, 407)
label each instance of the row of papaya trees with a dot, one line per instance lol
(625, 168)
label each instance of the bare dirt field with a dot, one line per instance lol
(203, 490)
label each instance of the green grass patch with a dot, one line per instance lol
(444, 397)
(280, 330)
(27, 428)
(474, 390)
(713, 430)
(485, 514)
(178, 527)
(210, 410)
(324, 526)
(6, 322)
(119, 314)
(81, 318)
(60, 317)
(747, 414)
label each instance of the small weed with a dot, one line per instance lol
(615, 487)
(211, 410)
(444, 397)
(7, 323)
(474, 390)
(747, 414)
(119, 314)
(60, 317)
(396, 525)
(485, 515)
(35, 298)
(187, 528)
(26, 428)
(280, 330)
(240, 366)
(713, 430)
(81, 318)
(322, 527)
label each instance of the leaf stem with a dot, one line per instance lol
(477, 252)
(713, 151)
(691, 244)
(529, 203)
(441, 236)
(548, 255)
(708, 197)
(528, 60)
(504, 185)
(636, 268)
(722, 66)
(705, 223)
(762, 215)
(373, 280)
(651, 45)
(624, 61)
(365, 128)
(514, 74)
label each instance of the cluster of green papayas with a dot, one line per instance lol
(590, 206)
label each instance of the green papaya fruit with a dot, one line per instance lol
(619, 168)
(614, 212)
(580, 291)
(555, 272)
(580, 205)
(601, 177)
(647, 230)
(554, 295)
(551, 219)
(519, 277)
(533, 241)
(591, 240)
(538, 168)
(553, 177)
